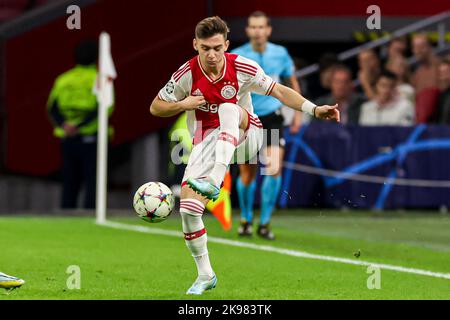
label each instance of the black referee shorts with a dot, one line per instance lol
(273, 122)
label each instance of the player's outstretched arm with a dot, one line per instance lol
(296, 101)
(161, 108)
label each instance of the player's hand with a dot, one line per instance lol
(192, 102)
(328, 113)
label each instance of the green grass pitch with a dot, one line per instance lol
(121, 264)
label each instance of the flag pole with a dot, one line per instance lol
(102, 134)
(102, 154)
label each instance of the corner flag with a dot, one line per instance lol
(105, 97)
(221, 208)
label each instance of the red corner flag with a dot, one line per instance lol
(221, 208)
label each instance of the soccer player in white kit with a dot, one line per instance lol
(214, 89)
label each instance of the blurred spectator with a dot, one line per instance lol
(301, 63)
(425, 78)
(387, 107)
(426, 74)
(73, 109)
(304, 85)
(342, 93)
(369, 70)
(397, 47)
(444, 97)
(398, 65)
(319, 84)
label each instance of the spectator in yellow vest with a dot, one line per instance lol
(73, 110)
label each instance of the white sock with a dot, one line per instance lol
(191, 211)
(204, 266)
(218, 173)
(229, 117)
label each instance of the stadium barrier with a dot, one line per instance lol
(330, 165)
(439, 21)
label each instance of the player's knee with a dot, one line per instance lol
(246, 178)
(274, 169)
(277, 171)
(247, 174)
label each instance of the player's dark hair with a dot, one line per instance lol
(211, 26)
(86, 52)
(387, 74)
(259, 14)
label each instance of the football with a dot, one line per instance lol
(153, 202)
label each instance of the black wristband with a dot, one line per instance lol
(314, 111)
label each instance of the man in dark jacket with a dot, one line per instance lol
(342, 92)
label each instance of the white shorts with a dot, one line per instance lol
(203, 155)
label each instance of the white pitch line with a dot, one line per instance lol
(289, 252)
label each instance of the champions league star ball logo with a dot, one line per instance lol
(170, 86)
(228, 92)
(262, 82)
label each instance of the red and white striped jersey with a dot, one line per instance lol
(240, 77)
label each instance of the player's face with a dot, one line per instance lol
(211, 50)
(258, 30)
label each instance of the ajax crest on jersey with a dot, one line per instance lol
(228, 92)
(153, 202)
